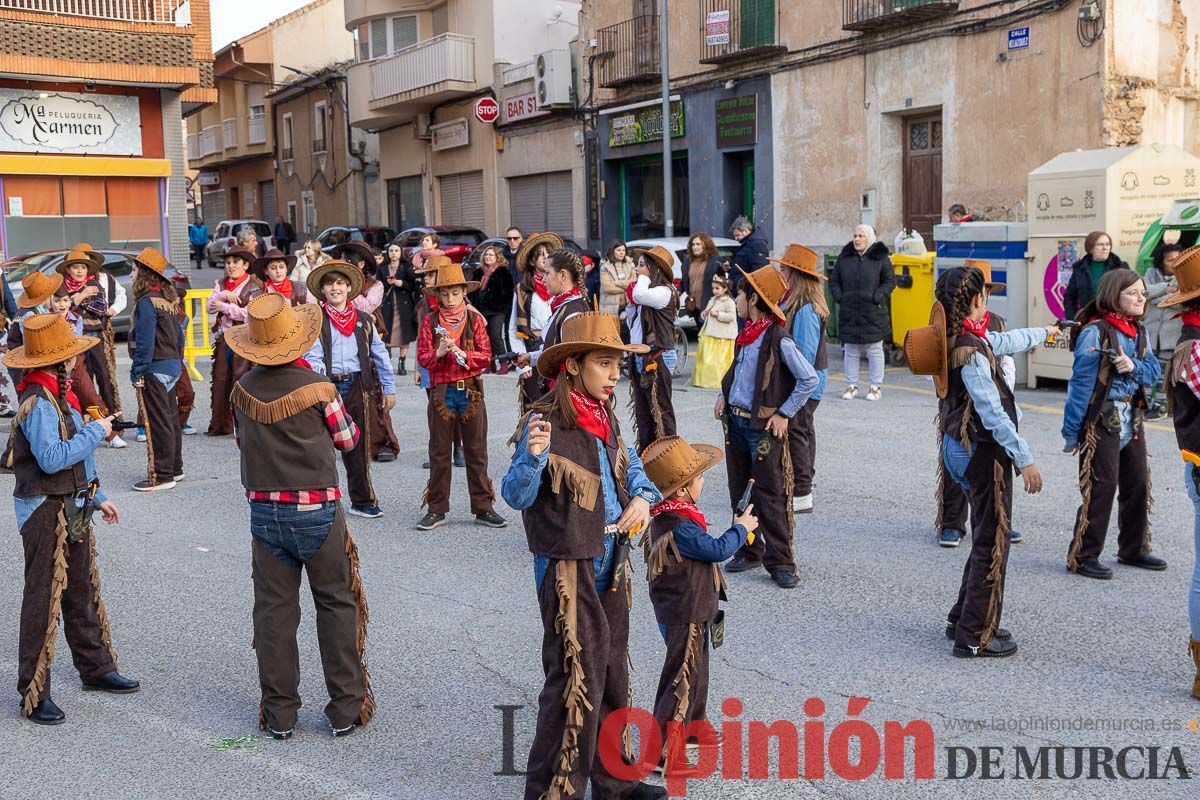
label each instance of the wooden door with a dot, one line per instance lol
(923, 174)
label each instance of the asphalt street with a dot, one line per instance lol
(455, 630)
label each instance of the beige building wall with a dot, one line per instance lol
(479, 155)
(537, 149)
(403, 155)
(310, 38)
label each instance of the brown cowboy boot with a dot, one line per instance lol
(1195, 646)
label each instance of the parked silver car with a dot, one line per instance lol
(225, 237)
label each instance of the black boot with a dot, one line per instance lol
(46, 713)
(401, 368)
(113, 683)
(459, 459)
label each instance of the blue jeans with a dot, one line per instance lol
(291, 535)
(344, 387)
(602, 566)
(956, 458)
(1191, 478)
(742, 435)
(457, 400)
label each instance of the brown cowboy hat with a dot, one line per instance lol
(434, 263)
(659, 258)
(92, 252)
(927, 350)
(672, 463)
(276, 332)
(242, 253)
(357, 248)
(583, 333)
(802, 260)
(768, 284)
(450, 275)
(552, 241)
(344, 268)
(154, 261)
(986, 268)
(78, 257)
(1187, 278)
(49, 340)
(274, 254)
(38, 288)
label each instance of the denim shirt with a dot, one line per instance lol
(54, 455)
(344, 357)
(741, 394)
(1146, 373)
(977, 377)
(695, 543)
(806, 330)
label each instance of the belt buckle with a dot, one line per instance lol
(461, 385)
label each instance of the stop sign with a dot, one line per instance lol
(487, 110)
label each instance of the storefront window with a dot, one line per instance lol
(642, 197)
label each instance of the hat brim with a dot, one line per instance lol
(995, 287)
(16, 358)
(775, 309)
(360, 249)
(162, 273)
(24, 301)
(261, 263)
(552, 358)
(551, 240)
(667, 270)
(469, 286)
(1179, 298)
(284, 351)
(92, 267)
(712, 456)
(343, 268)
(805, 271)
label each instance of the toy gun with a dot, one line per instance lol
(743, 504)
(1112, 353)
(502, 362)
(1191, 458)
(79, 518)
(621, 557)
(118, 424)
(445, 334)
(1063, 324)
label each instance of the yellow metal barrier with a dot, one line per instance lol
(197, 300)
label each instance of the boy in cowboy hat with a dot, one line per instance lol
(156, 346)
(290, 421)
(653, 306)
(227, 307)
(273, 269)
(82, 271)
(582, 494)
(347, 349)
(686, 584)
(55, 494)
(454, 348)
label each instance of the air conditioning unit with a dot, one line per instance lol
(553, 79)
(421, 126)
(358, 148)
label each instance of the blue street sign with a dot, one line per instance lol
(1018, 39)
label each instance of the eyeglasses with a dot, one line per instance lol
(514, 238)
(1135, 293)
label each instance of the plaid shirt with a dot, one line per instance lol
(447, 369)
(1191, 369)
(345, 436)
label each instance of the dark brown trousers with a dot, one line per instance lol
(687, 668)
(277, 618)
(358, 460)
(472, 427)
(100, 362)
(383, 435)
(49, 593)
(185, 393)
(86, 392)
(601, 627)
(766, 463)
(227, 368)
(802, 442)
(653, 409)
(164, 436)
(976, 614)
(1109, 472)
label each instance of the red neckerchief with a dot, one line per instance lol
(1190, 318)
(753, 330)
(558, 299)
(1124, 324)
(629, 293)
(73, 285)
(284, 288)
(300, 362)
(43, 378)
(680, 508)
(592, 415)
(232, 286)
(344, 321)
(454, 320)
(539, 286)
(979, 327)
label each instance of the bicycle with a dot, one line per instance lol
(681, 352)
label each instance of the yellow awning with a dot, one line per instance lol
(97, 166)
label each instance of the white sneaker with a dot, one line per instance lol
(802, 505)
(850, 393)
(116, 443)
(874, 394)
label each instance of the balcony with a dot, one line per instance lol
(210, 141)
(320, 145)
(193, 147)
(164, 12)
(229, 131)
(628, 52)
(256, 130)
(286, 154)
(873, 15)
(736, 29)
(421, 69)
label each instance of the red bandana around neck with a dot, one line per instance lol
(73, 285)
(682, 508)
(43, 378)
(979, 327)
(558, 299)
(539, 286)
(1124, 324)
(284, 287)
(454, 320)
(1191, 317)
(232, 285)
(753, 330)
(592, 415)
(343, 321)
(300, 362)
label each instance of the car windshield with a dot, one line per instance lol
(18, 268)
(467, 237)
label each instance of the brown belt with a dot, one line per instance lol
(740, 412)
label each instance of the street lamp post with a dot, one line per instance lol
(668, 188)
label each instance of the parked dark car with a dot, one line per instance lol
(455, 241)
(589, 257)
(377, 237)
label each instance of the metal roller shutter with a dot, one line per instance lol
(462, 199)
(543, 202)
(560, 211)
(213, 207)
(266, 191)
(451, 207)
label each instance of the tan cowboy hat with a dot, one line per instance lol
(93, 253)
(434, 263)
(360, 249)
(154, 261)
(552, 241)
(659, 257)
(276, 332)
(78, 257)
(344, 268)
(450, 275)
(49, 340)
(986, 268)
(672, 463)
(242, 253)
(1187, 278)
(802, 260)
(38, 288)
(768, 284)
(927, 350)
(274, 254)
(583, 333)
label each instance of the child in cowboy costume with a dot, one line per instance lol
(453, 347)
(227, 307)
(82, 273)
(653, 306)
(351, 353)
(564, 280)
(582, 493)
(531, 310)
(273, 270)
(290, 421)
(55, 494)
(768, 384)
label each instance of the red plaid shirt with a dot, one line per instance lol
(1191, 369)
(345, 436)
(447, 369)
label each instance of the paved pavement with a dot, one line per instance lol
(455, 630)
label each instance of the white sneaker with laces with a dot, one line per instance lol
(850, 393)
(117, 443)
(874, 393)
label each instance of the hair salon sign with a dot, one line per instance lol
(64, 122)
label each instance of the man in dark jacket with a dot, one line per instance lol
(1086, 272)
(752, 251)
(861, 285)
(285, 235)
(513, 239)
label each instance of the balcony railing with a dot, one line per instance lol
(449, 57)
(286, 154)
(210, 141)
(193, 146)
(869, 15)
(320, 145)
(628, 52)
(256, 130)
(229, 130)
(735, 29)
(166, 12)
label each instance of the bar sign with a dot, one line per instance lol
(1018, 39)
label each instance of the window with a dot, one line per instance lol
(287, 154)
(404, 32)
(362, 43)
(291, 214)
(310, 211)
(385, 35)
(319, 143)
(379, 33)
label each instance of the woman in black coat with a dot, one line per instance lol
(399, 298)
(861, 285)
(1086, 272)
(494, 298)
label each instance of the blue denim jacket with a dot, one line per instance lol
(806, 330)
(1146, 374)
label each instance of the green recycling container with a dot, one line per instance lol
(831, 324)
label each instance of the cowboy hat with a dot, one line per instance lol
(767, 283)
(242, 253)
(927, 350)
(93, 253)
(276, 332)
(154, 261)
(986, 268)
(343, 268)
(357, 248)
(274, 254)
(48, 340)
(1187, 278)
(802, 260)
(450, 275)
(671, 463)
(78, 257)
(659, 257)
(38, 288)
(552, 241)
(434, 263)
(583, 333)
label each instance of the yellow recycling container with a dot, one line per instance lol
(912, 299)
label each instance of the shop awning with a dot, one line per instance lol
(85, 165)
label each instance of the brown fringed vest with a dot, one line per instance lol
(166, 328)
(774, 380)
(959, 419)
(31, 481)
(682, 590)
(362, 337)
(658, 324)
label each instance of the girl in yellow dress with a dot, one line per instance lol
(715, 352)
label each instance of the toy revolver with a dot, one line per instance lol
(621, 557)
(743, 504)
(1191, 458)
(118, 424)
(1063, 324)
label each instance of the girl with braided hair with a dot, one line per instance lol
(978, 421)
(568, 297)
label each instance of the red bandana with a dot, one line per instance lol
(1191, 318)
(629, 293)
(454, 320)
(558, 299)
(73, 285)
(753, 330)
(43, 378)
(1124, 324)
(284, 288)
(680, 508)
(979, 327)
(539, 285)
(300, 362)
(344, 321)
(591, 414)
(232, 285)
